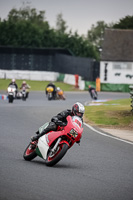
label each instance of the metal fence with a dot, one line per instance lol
(57, 60)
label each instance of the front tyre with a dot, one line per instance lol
(53, 158)
(10, 99)
(29, 153)
(24, 98)
(63, 98)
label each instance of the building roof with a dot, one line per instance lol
(117, 45)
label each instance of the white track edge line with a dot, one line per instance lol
(104, 134)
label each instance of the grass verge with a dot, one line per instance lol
(111, 114)
(37, 85)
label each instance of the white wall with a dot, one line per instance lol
(116, 72)
(40, 76)
(29, 75)
(70, 79)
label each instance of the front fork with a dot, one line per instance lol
(59, 141)
(56, 145)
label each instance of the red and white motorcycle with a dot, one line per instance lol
(53, 146)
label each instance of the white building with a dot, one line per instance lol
(116, 66)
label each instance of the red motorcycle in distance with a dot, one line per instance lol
(53, 146)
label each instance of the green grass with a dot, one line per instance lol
(116, 113)
(37, 85)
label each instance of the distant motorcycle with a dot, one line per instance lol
(60, 94)
(24, 92)
(49, 91)
(94, 94)
(11, 90)
(53, 145)
(19, 95)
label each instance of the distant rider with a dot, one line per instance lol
(60, 93)
(77, 110)
(59, 89)
(54, 87)
(13, 82)
(90, 88)
(26, 86)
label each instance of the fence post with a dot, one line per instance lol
(131, 93)
(76, 81)
(98, 84)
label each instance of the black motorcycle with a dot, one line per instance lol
(94, 94)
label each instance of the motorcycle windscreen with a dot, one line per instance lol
(43, 127)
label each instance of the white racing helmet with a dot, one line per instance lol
(78, 109)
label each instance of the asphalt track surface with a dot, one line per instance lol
(101, 168)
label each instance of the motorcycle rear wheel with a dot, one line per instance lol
(52, 160)
(29, 153)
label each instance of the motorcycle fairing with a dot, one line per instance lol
(53, 135)
(46, 140)
(10, 93)
(11, 90)
(50, 89)
(43, 146)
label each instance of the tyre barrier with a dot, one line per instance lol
(3, 97)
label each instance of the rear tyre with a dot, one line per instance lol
(52, 159)
(29, 153)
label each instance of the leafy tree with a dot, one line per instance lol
(125, 23)
(24, 14)
(27, 28)
(95, 34)
(60, 24)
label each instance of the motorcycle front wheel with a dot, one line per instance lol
(10, 99)
(50, 97)
(53, 158)
(29, 153)
(24, 98)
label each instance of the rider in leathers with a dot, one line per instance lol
(13, 82)
(54, 88)
(90, 88)
(77, 110)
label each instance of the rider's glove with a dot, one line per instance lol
(34, 138)
(55, 119)
(37, 132)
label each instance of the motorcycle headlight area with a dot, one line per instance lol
(73, 133)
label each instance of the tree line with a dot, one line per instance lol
(26, 27)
